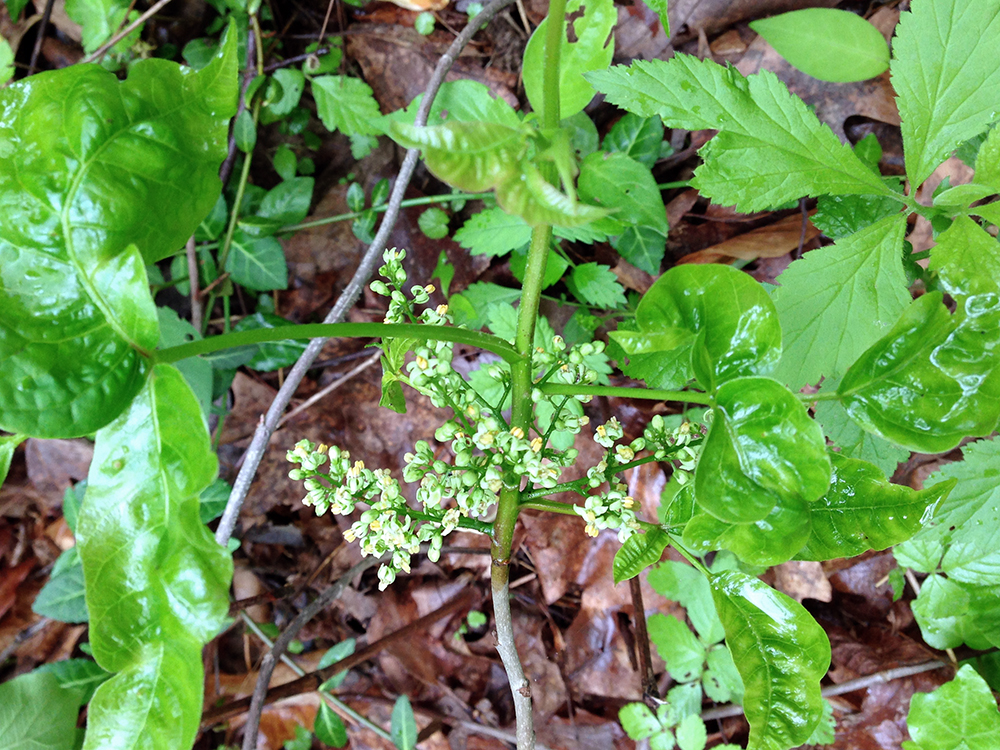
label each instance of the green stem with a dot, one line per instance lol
(825, 396)
(653, 394)
(472, 524)
(675, 541)
(672, 185)
(410, 202)
(553, 49)
(344, 330)
(550, 506)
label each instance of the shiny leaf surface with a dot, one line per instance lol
(781, 654)
(967, 259)
(769, 541)
(157, 583)
(85, 161)
(934, 378)
(639, 552)
(761, 450)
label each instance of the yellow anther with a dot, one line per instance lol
(322, 448)
(442, 310)
(584, 420)
(349, 536)
(422, 363)
(601, 431)
(536, 445)
(429, 289)
(628, 502)
(517, 432)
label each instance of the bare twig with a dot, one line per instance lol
(350, 294)
(193, 275)
(331, 387)
(722, 712)
(520, 688)
(103, 49)
(43, 26)
(297, 59)
(647, 677)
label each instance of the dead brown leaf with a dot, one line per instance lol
(53, 465)
(771, 241)
(801, 579)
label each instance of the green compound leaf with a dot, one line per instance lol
(36, 713)
(967, 259)
(683, 653)
(473, 156)
(639, 552)
(959, 714)
(837, 301)
(592, 49)
(964, 536)
(951, 613)
(346, 104)
(781, 654)
(863, 511)
(85, 162)
(157, 583)
(933, 379)
(946, 78)
(637, 137)
(761, 450)
(771, 148)
(638, 721)
(826, 43)
(731, 314)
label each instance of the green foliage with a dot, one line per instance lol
(404, 725)
(37, 713)
(637, 137)
(826, 43)
(961, 713)
(346, 104)
(76, 674)
(329, 727)
(424, 23)
(434, 223)
(639, 552)
(99, 19)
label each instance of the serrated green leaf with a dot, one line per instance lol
(960, 713)
(951, 613)
(157, 583)
(592, 48)
(85, 161)
(62, 597)
(967, 259)
(771, 149)
(825, 731)
(639, 552)
(933, 379)
(964, 535)
(292, 83)
(863, 511)
(637, 137)
(855, 442)
(827, 43)
(638, 721)
(257, 263)
(836, 301)
(36, 713)
(839, 216)
(682, 583)
(683, 653)
(988, 161)
(346, 104)
(493, 233)
(596, 285)
(781, 654)
(329, 727)
(77, 674)
(722, 681)
(761, 450)
(404, 724)
(946, 78)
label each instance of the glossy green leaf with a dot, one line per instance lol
(404, 724)
(838, 216)
(959, 714)
(771, 149)
(346, 104)
(639, 552)
(946, 78)
(854, 442)
(863, 511)
(951, 613)
(36, 713)
(683, 653)
(967, 259)
(772, 540)
(473, 156)
(257, 263)
(734, 314)
(683, 584)
(329, 727)
(592, 48)
(827, 43)
(157, 583)
(761, 450)
(637, 137)
(85, 161)
(934, 378)
(837, 301)
(77, 674)
(964, 535)
(458, 101)
(8, 443)
(781, 654)
(62, 597)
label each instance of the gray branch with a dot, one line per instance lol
(520, 688)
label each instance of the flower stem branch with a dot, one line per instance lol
(408, 203)
(654, 394)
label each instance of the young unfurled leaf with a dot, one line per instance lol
(946, 78)
(912, 386)
(85, 160)
(827, 43)
(637, 137)
(762, 449)
(639, 552)
(781, 654)
(967, 259)
(837, 301)
(732, 312)
(592, 48)
(529, 195)
(346, 104)
(157, 583)
(863, 511)
(473, 156)
(961, 713)
(771, 148)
